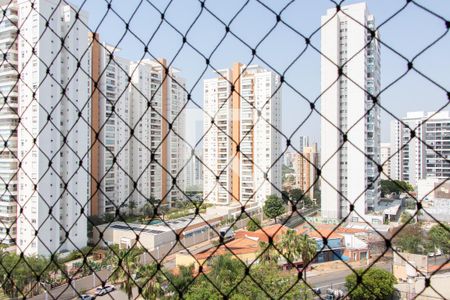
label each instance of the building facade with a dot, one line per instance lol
(423, 153)
(9, 119)
(52, 133)
(193, 173)
(305, 166)
(350, 127)
(241, 147)
(385, 154)
(304, 142)
(157, 117)
(110, 121)
(138, 126)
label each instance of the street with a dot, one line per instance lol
(336, 279)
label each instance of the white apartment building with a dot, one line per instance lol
(193, 173)
(52, 134)
(111, 106)
(349, 173)
(158, 122)
(9, 120)
(304, 142)
(385, 154)
(241, 147)
(413, 159)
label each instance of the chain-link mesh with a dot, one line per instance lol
(110, 186)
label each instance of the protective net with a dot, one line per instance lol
(124, 177)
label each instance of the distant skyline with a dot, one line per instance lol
(408, 33)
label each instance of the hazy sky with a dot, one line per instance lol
(408, 33)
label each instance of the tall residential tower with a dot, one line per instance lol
(9, 120)
(350, 127)
(53, 131)
(412, 158)
(241, 147)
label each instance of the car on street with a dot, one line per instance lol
(100, 291)
(86, 297)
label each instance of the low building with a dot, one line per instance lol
(160, 238)
(408, 265)
(245, 246)
(343, 243)
(435, 196)
(332, 250)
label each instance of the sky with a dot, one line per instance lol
(408, 33)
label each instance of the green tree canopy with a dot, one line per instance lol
(253, 224)
(406, 217)
(297, 196)
(395, 186)
(289, 245)
(439, 236)
(18, 274)
(228, 276)
(376, 284)
(410, 239)
(273, 207)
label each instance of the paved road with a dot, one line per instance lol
(337, 279)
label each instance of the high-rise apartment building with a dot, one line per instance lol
(193, 173)
(241, 147)
(412, 158)
(385, 154)
(157, 117)
(304, 142)
(137, 114)
(110, 120)
(53, 133)
(9, 119)
(350, 127)
(305, 167)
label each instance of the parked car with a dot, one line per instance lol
(104, 290)
(317, 291)
(87, 297)
(227, 233)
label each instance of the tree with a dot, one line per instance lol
(395, 186)
(410, 239)
(267, 253)
(376, 284)
(18, 274)
(180, 283)
(308, 249)
(439, 236)
(228, 275)
(289, 245)
(125, 263)
(150, 280)
(273, 207)
(297, 197)
(253, 224)
(406, 217)
(149, 207)
(131, 207)
(285, 197)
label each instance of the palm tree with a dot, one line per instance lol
(290, 246)
(308, 249)
(124, 264)
(150, 280)
(267, 253)
(183, 280)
